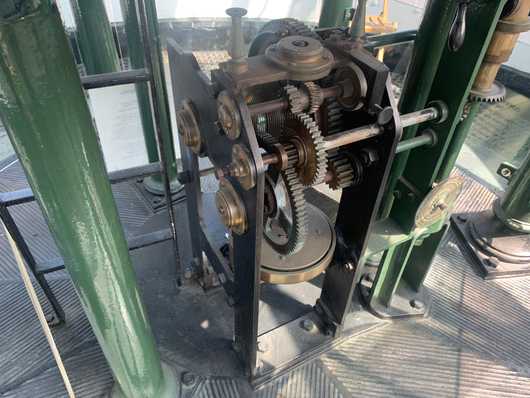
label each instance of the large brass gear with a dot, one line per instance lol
(287, 236)
(312, 170)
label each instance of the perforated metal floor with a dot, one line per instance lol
(476, 343)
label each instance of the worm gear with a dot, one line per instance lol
(312, 170)
(341, 171)
(316, 98)
(286, 228)
(296, 105)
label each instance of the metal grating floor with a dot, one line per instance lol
(476, 343)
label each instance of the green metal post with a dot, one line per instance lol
(155, 185)
(334, 13)
(514, 208)
(43, 108)
(429, 46)
(457, 142)
(95, 38)
(136, 56)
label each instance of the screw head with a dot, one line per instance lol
(263, 346)
(308, 325)
(461, 218)
(492, 262)
(506, 172)
(417, 304)
(188, 378)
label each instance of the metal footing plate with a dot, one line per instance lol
(497, 251)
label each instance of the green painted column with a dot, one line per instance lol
(333, 13)
(95, 38)
(514, 207)
(136, 56)
(43, 108)
(429, 46)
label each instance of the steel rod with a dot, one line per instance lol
(40, 313)
(390, 39)
(353, 135)
(157, 106)
(427, 138)
(115, 78)
(421, 116)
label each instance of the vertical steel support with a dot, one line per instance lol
(136, 57)
(514, 208)
(96, 42)
(43, 108)
(156, 66)
(334, 13)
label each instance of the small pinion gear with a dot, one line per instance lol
(341, 171)
(313, 170)
(316, 98)
(496, 93)
(294, 98)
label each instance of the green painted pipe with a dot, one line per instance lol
(136, 57)
(44, 111)
(514, 208)
(96, 42)
(428, 48)
(154, 185)
(333, 13)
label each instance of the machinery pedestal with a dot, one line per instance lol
(406, 302)
(498, 251)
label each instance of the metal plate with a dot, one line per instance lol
(310, 261)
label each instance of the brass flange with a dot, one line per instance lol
(242, 167)
(231, 208)
(188, 126)
(228, 115)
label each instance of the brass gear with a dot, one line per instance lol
(316, 98)
(294, 98)
(298, 226)
(312, 170)
(341, 171)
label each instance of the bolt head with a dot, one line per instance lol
(308, 325)
(188, 378)
(262, 346)
(417, 304)
(506, 172)
(492, 262)
(461, 218)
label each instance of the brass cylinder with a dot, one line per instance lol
(502, 44)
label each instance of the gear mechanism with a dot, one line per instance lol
(312, 170)
(496, 93)
(316, 98)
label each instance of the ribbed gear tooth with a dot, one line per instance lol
(316, 98)
(342, 171)
(295, 194)
(295, 99)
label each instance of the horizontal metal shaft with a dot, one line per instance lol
(427, 138)
(115, 78)
(424, 115)
(353, 135)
